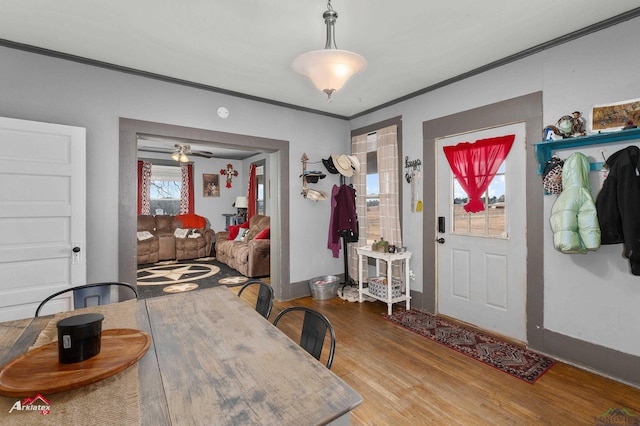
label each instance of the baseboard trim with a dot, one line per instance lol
(590, 356)
(299, 289)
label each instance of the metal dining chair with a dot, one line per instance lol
(264, 302)
(89, 294)
(314, 330)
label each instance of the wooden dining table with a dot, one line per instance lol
(213, 360)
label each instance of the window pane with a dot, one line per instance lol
(166, 183)
(496, 210)
(488, 223)
(260, 179)
(460, 217)
(373, 208)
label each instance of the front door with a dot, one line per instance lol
(42, 215)
(481, 266)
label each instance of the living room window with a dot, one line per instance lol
(165, 189)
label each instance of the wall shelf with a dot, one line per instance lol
(544, 150)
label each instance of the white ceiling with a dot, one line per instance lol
(247, 46)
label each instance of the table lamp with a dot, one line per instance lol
(242, 204)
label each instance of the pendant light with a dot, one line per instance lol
(330, 68)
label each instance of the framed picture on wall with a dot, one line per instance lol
(615, 116)
(210, 185)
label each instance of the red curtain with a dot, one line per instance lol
(475, 165)
(252, 195)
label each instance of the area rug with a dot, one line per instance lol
(163, 278)
(513, 360)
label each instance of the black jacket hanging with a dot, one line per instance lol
(618, 204)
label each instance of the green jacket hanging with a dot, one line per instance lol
(574, 219)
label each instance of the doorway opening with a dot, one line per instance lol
(277, 205)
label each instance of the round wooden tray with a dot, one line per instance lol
(38, 371)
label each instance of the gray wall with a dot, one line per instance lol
(589, 302)
(47, 89)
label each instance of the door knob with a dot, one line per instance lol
(440, 240)
(76, 249)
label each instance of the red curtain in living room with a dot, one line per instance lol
(252, 195)
(475, 164)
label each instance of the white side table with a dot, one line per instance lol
(389, 258)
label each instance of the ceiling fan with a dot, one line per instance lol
(179, 153)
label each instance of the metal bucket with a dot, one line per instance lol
(324, 287)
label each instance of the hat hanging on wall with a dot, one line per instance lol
(355, 163)
(313, 176)
(328, 163)
(315, 195)
(343, 164)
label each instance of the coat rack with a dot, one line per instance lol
(414, 165)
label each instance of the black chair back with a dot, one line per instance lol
(314, 329)
(89, 295)
(264, 302)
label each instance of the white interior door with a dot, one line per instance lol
(42, 214)
(481, 266)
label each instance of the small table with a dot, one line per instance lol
(389, 258)
(231, 219)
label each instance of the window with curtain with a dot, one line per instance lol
(479, 183)
(377, 153)
(165, 189)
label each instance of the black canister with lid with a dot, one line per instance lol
(79, 337)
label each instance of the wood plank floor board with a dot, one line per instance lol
(407, 379)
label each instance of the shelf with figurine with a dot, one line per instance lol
(569, 132)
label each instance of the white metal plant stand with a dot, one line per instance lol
(389, 258)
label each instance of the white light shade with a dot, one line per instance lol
(242, 202)
(176, 156)
(184, 158)
(329, 69)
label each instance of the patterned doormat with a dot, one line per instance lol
(513, 360)
(172, 276)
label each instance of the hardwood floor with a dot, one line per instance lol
(407, 379)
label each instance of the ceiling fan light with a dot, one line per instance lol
(184, 158)
(175, 156)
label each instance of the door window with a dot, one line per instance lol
(491, 222)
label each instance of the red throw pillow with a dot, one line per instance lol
(192, 220)
(233, 232)
(245, 225)
(263, 235)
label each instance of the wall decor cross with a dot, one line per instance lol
(230, 173)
